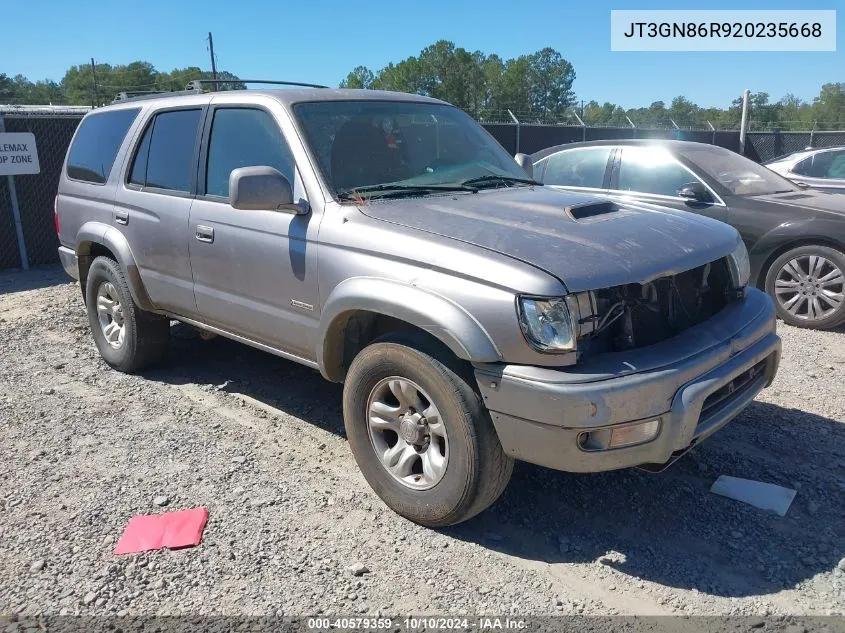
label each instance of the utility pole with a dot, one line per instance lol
(93, 84)
(213, 62)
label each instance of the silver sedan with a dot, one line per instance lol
(816, 168)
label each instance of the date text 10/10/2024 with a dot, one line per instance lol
(417, 623)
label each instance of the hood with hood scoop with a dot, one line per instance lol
(587, 242)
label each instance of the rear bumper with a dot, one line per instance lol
(70, 262)
(694, 383)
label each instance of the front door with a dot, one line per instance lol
(254, 270)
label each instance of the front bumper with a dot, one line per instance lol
(70, 262)
(695, 383)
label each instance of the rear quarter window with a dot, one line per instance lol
(97, 142)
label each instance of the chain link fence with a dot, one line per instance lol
(53, 129)
(763, 146)
(760, 146)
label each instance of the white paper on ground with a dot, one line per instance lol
(756, 493)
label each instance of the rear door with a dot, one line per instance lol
(153, 204)
(584, 169)
(653, 175)
(254, 270)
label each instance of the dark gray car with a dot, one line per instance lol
(795, 236)
(386, 240)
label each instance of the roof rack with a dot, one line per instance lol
(196, 84)
(148, 94)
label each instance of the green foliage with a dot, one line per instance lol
(827, 111)
(538, 89)
(79, 87)
(537, 86)
(361, 77)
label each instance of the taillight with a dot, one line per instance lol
(56, 214)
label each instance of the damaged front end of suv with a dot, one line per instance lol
(633, 315)
(647, 365)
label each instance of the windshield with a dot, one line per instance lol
(419, 147)
(739, 175)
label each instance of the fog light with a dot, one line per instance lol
(628, 435)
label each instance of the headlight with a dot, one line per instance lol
(547, 324)
(741, 265)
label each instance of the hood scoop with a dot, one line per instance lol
(591, 210)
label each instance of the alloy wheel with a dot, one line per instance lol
(110, 315)
(407, 433)
(810, 287)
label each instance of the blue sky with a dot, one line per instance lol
(321, 41)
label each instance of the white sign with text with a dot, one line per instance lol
(18, 154)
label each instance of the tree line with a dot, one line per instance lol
(536, 88)
(824, 112)
(84, 85)
(485, 86)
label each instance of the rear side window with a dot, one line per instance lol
(165, 155)
(244, 137)
(803, 168)
(97, 142)
(138, 175)
(577, 167)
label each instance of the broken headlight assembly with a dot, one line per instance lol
(740, 265)
(547, 323)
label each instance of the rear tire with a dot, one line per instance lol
(807, 284)
(127, 338)
(472, 470)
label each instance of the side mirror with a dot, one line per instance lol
(262, 189)
(524, 161)
(695, 191)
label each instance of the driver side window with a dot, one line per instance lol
(244, 137)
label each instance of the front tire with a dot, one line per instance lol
(420, 433)
(808, 286)
(127, 338)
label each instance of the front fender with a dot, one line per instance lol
(97, 233)
(812, 230)
(439, 316)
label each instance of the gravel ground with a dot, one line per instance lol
(259, 441)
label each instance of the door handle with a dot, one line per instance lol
(121, 217)
(204, 233)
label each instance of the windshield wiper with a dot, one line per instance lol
(397, 190)
(495, 178)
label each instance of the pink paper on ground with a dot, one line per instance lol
(155, 531)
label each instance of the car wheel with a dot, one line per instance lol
(127, 338)
(420, 433)
(808, 286)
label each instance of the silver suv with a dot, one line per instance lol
(387, 240)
